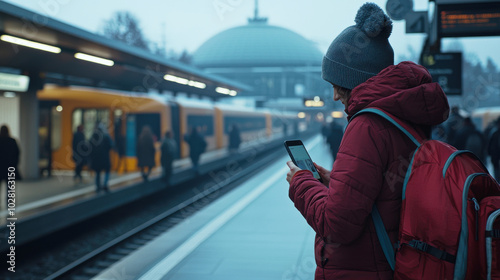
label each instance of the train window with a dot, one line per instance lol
(89, 118)
(56, 128)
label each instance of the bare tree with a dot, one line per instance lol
(123, 26)
(185, 57)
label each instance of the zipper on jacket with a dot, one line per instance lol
(476, 208)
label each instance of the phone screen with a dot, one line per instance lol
(300, 157)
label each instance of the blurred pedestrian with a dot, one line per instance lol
(452, 125)
(439, 133)
(234, 139)
(79, 152)
(100, 145)
(168, 153)
(145, 150)
(120, 147)
(335, 134)
(324, 132)
(197, 146)
(494, 149)
(370, 165)
(470, 139)
(9, 159)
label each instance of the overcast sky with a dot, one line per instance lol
(187, 24)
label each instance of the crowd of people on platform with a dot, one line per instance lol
(95, 152)
(462, 133)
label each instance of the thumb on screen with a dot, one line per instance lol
(291, 165)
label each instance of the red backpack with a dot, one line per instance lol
(450, 214)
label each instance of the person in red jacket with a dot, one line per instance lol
(373, 156)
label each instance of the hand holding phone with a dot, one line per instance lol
(300, 157)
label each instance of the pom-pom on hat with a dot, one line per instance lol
(361, 51)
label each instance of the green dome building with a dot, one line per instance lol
(276, 62)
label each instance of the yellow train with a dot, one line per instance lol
(63, 109)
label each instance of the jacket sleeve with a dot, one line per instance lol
(340, 213)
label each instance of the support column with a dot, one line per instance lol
(28, 138)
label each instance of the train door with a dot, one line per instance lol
(49, 135)
(44, 139)
(135, 124)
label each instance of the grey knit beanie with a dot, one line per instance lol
(361, 51)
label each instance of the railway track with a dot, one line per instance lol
(103, 257)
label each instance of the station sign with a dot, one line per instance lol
(469, 19)
(445, 69)
(11, 82)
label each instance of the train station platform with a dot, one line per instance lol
(253, 232)
(49, 204)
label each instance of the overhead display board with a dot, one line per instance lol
(469, 19)
(445, 69)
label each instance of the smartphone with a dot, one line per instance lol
(300, 157)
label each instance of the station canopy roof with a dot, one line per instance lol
(133, 68)
(257, 44)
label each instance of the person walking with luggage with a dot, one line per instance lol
(100, 145)
(79, 152)
(197, 146)
(373, 157)
(168, 153)
(145, 151)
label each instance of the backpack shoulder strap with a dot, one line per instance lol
(382, 235)
(401, 125)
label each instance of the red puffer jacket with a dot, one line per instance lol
(370, 168)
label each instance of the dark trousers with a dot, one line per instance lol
(144, 173)
(78, 169)
(167, 172)
(98, 184)
(6, 191)
(195, 159)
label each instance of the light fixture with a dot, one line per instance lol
(94, 59)
(59, 108)
(301, 115)
(337, 114)
(9, 94)
(184, 81)
(30, 44)
(313, 103)
(227, 91)
(222, 90)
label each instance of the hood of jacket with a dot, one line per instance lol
(406, 91)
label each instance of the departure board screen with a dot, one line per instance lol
(463, 20)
